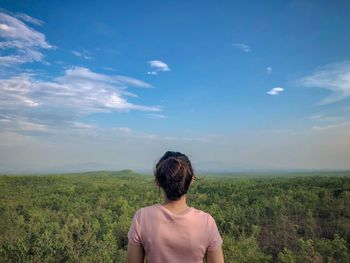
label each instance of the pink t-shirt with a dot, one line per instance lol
(168, 237)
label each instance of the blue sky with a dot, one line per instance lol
(235, 85)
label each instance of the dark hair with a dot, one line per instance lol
(174, 174)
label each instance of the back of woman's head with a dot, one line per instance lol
(174, 174)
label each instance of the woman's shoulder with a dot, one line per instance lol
(146, 209)
(191, 212)
(150, 207)
(203, 214)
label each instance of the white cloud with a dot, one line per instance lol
(332, 77)
(323, 118)
(122, 129)
(152, 73)
(79, 91)
(131, 82)
(243, 47)
(268, 70)
(81, 125)
(275, 91)
(156, 116)
(109, 68)
(29, 19)
(332, 126)
(20, 124)
(157, 65)
(20, 41)
(82, 55)
(79, 73)
(19, 35)
(15, 93)
(4, 27)
(24, 56)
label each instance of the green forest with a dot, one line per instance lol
(85, 217)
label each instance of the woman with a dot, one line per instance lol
(173, 231)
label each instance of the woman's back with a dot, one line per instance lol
(174, 232)
(168, 237)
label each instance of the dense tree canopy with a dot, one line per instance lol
(86, 217)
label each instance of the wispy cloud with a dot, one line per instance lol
(81, 125)
(155, 116)
(80, 54)
(22, 43)
(269, 70)
(29, 19)
(157, 66)
(332, 126)
(324, 118)
(152, 73)
(243, 47)
(79, 88)
(122, 129)
(32, 103)
(332, 77)
(79, 91)
(20, 124)
(275, 91)
(109, 68)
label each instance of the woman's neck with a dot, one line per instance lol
(176, 206)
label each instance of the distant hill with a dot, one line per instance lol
(121, 173)
(274, 174)
(125, 172)
(131, 173)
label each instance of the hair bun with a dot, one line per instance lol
(172, 167)
(174, 174)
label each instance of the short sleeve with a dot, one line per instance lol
(215, 240)
(134, 234)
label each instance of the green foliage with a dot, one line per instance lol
(287, 256)
(245, 249)
(86, 217)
